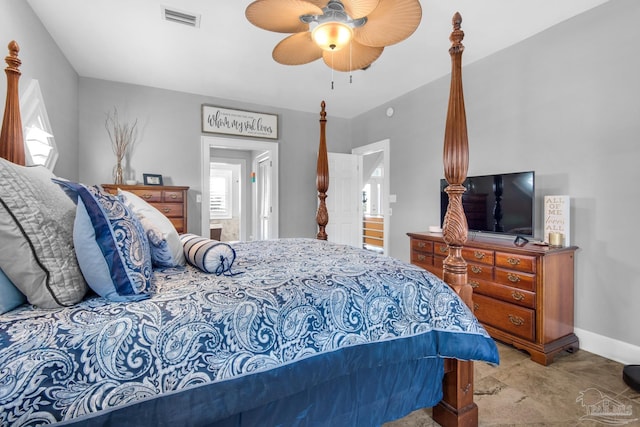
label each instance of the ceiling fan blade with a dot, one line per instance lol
(359, 8)
(319, 3)
(391, 22)
(297, 49)
(356, 57)
(281, 16)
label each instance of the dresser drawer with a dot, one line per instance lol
(172, 196)
(170, 209)
(479, 271)
(481, 256)
(516, 262)
(516, 279)
(421, 259)
(511, 318)
(148, 195)
(505, 293)
(421, 245)
(441, 249)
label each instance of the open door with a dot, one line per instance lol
(344, 203)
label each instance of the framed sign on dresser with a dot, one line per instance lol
(170, 200)
(523, 295)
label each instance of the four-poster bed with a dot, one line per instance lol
(304, 333)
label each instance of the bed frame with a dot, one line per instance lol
(457, 407)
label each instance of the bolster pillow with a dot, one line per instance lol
(210, 256)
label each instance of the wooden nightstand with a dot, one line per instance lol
(170, 200)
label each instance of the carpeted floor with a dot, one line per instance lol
(580, 389)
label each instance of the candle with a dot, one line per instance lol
(555, 239)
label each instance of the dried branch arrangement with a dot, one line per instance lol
(122, 136)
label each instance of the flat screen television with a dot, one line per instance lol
(500, 204)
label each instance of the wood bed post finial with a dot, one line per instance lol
(457, 407)
(322, 177)
(11, 141)
(456, 164)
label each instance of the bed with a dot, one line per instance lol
(292, 332)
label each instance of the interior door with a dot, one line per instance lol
(344, 199)
(265, 210)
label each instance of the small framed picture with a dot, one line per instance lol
(152, 179)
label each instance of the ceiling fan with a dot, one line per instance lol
(347, 34)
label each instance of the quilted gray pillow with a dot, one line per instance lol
(36, 231)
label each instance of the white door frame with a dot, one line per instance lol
(209, 142)
(385, 147)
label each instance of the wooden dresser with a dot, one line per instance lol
(522, 295)
(170, 200)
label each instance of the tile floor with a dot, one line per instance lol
(520, 392)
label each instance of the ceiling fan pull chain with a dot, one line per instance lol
(331, 70)
(350, 61)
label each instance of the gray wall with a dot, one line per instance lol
(43, 61)
(563, 103)
(169, 144)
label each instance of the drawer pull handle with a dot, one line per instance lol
(476, 269)
(146, 196)
(475, 306)
(513, 261)
(444, 249)
(513, 277)
(518, 321)
(421, 257)
(517, 296)
(166, 210)
(474, 284)
(173, 196)
(478, 255)
(421, 244)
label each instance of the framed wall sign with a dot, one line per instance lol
(238, 122)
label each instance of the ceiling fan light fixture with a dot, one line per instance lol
(332, 35)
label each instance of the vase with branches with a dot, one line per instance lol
(122, 136)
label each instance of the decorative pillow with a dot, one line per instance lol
(111, 246)
(166, 248)
(36, 231)
(161, 255)
(208, 255)
(10, 296)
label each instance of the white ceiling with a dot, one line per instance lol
(227, 57)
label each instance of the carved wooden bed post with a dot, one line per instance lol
(457, 407)
(11, 141)
(322, 177)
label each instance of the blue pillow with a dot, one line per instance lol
(208, 255)
(110, 243)
(10, 296)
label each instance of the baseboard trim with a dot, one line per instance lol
(610, 348)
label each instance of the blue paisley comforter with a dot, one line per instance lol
(296, 304)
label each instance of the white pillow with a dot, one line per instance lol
(166, 248)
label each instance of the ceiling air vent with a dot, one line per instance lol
(181, 17)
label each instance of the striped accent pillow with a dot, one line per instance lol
(210, 256)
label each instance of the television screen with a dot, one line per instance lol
(502, 203)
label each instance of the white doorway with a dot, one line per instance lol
(377, 177)
(267, 179)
